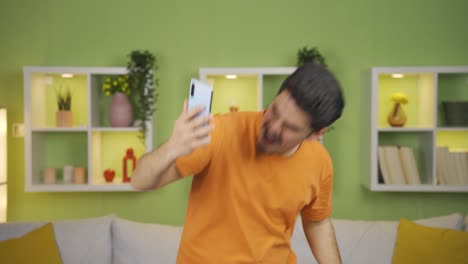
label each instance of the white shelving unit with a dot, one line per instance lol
(426, 127)
(258, 81)
(90, 143)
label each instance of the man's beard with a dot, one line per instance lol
(271, 140)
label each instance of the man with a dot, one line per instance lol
(254, 173)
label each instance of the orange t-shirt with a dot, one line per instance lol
(243, 205)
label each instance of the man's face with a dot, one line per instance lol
(284, 126)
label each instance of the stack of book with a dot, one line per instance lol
(397, 165)
(451, 166)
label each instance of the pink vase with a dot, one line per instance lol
(120, 111)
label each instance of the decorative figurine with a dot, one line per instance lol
(109, 175)
(129, 156)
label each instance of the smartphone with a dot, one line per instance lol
(201, 93)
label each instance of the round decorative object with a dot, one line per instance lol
(397, 117)
(120, 110)
(109, 175)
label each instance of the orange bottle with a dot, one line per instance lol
(129, 156)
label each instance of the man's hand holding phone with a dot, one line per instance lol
(192, 128)
(190, 131)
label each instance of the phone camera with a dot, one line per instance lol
(192, 90)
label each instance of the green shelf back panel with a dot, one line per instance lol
(271, 86)
(419, 142)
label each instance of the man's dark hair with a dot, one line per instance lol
(317, 92)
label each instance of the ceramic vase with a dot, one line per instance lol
(397, 117)
(120, 110)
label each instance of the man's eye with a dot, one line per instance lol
(273, 111)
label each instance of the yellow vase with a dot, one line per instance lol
(397, 117)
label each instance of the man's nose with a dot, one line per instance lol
(275, 128)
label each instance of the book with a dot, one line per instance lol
(452, 168)
(409, 166)
(392, 158)
(441, 170)
(383, 165)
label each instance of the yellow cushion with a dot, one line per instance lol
(37, 246)
(420, 244)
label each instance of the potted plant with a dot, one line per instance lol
(64, 117)
(120, 108)
(141, 71)
(306, 54)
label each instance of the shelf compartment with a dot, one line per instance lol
(107, 152)
(452, 157)
(100, 102)
(452, 88)
(421, 144)
(271, 86)
(44, 88)
(420, 90)
(242, 92)
(56, 150)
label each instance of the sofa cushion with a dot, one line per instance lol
(37, 246)
(137, 243)
(17, 229)
(365, 241)
(85, 241)
(466, 223)
(420, 244)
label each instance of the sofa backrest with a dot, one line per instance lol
(86, 240)
(110, 239)
(140, 243)
(79, 241)
(17, 229)
(466, 223)
(366, 241)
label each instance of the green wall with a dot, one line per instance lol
(186, 35)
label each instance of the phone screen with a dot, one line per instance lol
(200, 93)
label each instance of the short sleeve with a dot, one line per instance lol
(200, 158)
(320, 207)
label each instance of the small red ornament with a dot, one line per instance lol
(129, 156)
(109, 175)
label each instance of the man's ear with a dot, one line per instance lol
(317, 135)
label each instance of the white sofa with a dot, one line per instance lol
(111, 239)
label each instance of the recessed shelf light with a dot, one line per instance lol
(67, 75)
(397, 75)
(231, 76)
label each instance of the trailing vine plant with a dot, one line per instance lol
(141, 71)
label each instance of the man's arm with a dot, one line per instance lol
(157, 168)
(322, 240)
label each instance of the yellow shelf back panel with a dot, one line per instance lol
(241, 92)
(44, 91)
(420, 90)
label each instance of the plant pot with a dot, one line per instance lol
(49, 176)
(455, 113)
(64, 119)
(120, 111)
(79, 175)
